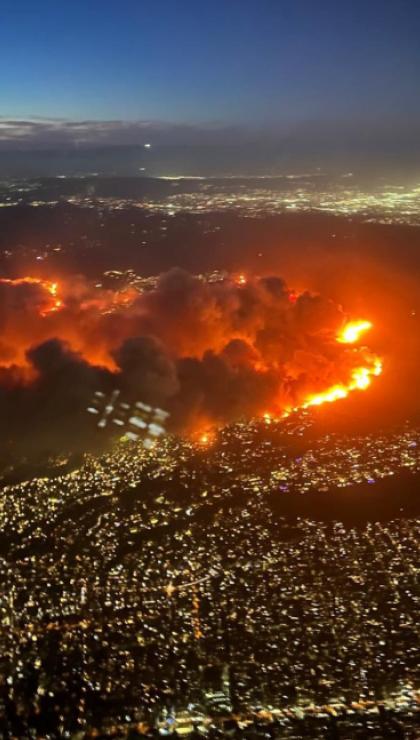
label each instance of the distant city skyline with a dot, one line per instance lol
(179, 73)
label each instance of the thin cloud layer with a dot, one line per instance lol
(38, 133)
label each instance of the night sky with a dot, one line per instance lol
(266, 65)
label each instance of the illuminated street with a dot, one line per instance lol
(134, 574)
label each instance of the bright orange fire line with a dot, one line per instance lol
(351, 332)
(361, 377)
(51, 288)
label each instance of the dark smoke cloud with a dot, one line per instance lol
(215, 389)
(146, 371)
(19, 299)
(48, 414)
(209, 353)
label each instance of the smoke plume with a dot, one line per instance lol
(209, 353)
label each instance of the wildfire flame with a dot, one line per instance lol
(361, 377)
(49, 287)
(86, 316)
(351, 332)
(52, 289)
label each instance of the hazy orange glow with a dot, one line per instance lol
(352, 331)
(204, 437)
(49, 318)
(49, 287)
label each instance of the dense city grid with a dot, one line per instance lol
(255, 197)
(153, 587)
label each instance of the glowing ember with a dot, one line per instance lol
(377, 367)
(352, 331)
(52, 289)
(207, 438)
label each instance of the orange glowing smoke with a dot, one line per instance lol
(49, 314)
(51, 288)
(219, 336)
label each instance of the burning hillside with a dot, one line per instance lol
(208, 352)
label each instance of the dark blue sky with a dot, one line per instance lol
(256, 63)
